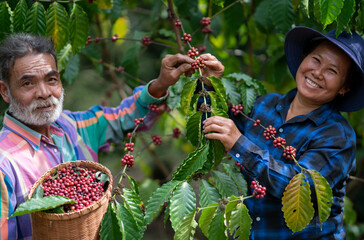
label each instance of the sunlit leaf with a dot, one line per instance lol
(64, 56)
(330, 10)
(133, 203)
(111, 228)
(129, 227)
(193, 129)
(240, 222)
(224, 184)
(248, 96)
(186, 95)
(206, 216)
(345, 15)
(237, 177)
(231, 91)
(217, 227)
(208, 193)
(57, 21)
(183, 202)
(229, 207)
(186, 228)
(105, 4)
(297, 206)
(121, 28)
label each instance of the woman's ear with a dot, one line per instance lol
(4, 91)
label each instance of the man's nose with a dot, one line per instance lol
(43, 91)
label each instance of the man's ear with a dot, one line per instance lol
(4, 91)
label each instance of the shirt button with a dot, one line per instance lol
(55, 150)
(280, 130)
(237, 155)
(258, 219)
(45, 145)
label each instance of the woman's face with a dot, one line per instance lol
(322, 74)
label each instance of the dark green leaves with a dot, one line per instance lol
(5, 19)
(20, 13)
(78, 28)
(36, 20)
(57, 20)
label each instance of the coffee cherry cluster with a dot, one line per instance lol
(278, 142)
(198, 63)
(178, 24)
(205, 21)
(120, 69)
(239, 165)
(176, 132)
(146, 41)
(192, 53)
(186, 37)
(269, 132)
(138, 121)
(259, 190)
(129, 146)
(153, 108)
(77, 183)
(128, 160)
(157, 140)
(257, 122)
(289, 152)
(236, 109)
(207, 30)
(89, 40)
(202, 49)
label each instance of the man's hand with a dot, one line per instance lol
(213, 66)
(222, 129)
(173, 66)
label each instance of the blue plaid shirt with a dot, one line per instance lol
(324, 141)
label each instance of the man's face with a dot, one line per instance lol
(35, 93)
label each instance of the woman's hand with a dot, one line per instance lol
(173, 66)
(222, 129)
(213, 67)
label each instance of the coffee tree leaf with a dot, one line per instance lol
(207, 215)
(323, 194)
(231, 206)
(193, 104)
(39, 192)
(208, 194)
(129, 229)
(19, 16)
(330, 10)
(186, 228)
(218, 105)
(248, 96)
(72, 69)
(57, 25)
(224, 184)
(64, 56)
(78, 26)
(193, 129)
(240, 222)
(218, 151)
(183, 202)
(111, 228)
(41, 204)
(158, 198)
(237, 177)
(194, 162)
(218, 86)
(231, 90)
(35, 22)
(133, 185)
(282, 15)
(186, 95)
(133, 203)
(105, 4)
(297, 206)
(217, 227)
(166, 214)
(345, 15)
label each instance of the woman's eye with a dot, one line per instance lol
(316, 59)
(332, 70)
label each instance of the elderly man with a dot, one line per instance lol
(38, 135)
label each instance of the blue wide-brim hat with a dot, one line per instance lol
(299, 38)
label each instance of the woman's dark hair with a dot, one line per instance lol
(18, 45)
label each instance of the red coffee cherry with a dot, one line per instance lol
(289, 152)
(205, 21)
(198, 63)
(178, 24)
(157, 140)
(236, 109)
(239, 165)
(186, 37)
(278, 142)
(128, 160)
(120, 69)
(207, 30)
(153, 108)
(176, 132)
(146, 41)
(138, 121)
(192, 53)
(129, 146)
(269, 132)
(259, 190)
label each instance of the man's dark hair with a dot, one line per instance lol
(18, 45)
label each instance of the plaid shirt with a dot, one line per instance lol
(324, 141)
(25, 154)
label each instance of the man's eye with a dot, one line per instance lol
(27, 83)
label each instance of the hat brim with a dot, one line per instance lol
(298, 39)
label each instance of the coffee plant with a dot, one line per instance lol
(247, 36)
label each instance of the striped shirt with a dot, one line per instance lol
(25, 155)
(324, 141)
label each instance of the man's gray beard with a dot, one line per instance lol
(27, 115)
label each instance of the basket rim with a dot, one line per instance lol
(85, 210)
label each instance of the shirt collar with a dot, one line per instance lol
(318, 116)
(31, 136)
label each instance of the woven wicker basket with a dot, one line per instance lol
(83, 224)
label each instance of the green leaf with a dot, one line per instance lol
(5, 19)
(282, 14)
(262, 17)
(194, 162)
(218, 151)
(305, 4)
(19, 16)
(208, 194)
(41, 204)
(323, 195)
(133, 203)
(193, 129)
(183, 202)
(297, 206)
(218, 105)
(225, 184)
(207, 215)
(330, 10)
(64, 57)
(237, 177)
(71, 70)
(39, 192)
(110, 226)
(317, 9)
(349, 212)
(186, 95)
(231, 206)
(146, 188)
(186, 228)
(57, 22)
(345, 15)
(105, 4)
(158, 198)
(231, 90)
(248, 96)
(218, 86)
(133, 185)
(240, 222)
(219, 3)
(78, 28)
(36, 20)
(217, 227)
(127, 224)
